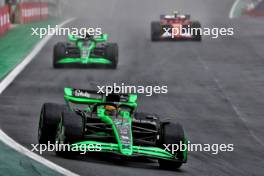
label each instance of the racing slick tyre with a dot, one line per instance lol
(196, 36)
(111, 53)
(155, 31)
(49, 119)
(172, 134)
(69, 130)
(59, 52)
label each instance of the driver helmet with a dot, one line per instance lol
(110, 109)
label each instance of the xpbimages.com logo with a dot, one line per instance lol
(189, 31)
(191, 147)
(50, 147)
(132, 89)
(61, 31)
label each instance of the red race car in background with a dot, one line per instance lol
(175, 27)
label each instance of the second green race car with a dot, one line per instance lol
(85, 51)
(110, 123)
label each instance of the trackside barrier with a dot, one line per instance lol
(44, 10)
(34, 11)
(4, 20)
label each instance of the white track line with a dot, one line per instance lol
(5, 83)
(231, 14)
(13, 144)
(13, 74)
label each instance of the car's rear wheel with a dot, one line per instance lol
(196, 26)
(111, 53)
(69, 130)
(59, 52)
(49, 118)
(172, 134)
(155, 31)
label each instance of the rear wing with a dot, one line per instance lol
(91, 97)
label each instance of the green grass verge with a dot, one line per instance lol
(18, 42)
(14, 163)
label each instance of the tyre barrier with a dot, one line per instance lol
(34, 11)
(4, 20)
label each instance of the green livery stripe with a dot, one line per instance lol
(153, 152)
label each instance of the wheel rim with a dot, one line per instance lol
(60, 137)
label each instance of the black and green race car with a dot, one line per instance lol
(112, 123)
(85, 51)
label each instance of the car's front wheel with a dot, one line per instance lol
(48, 121)
(111, 53)
(196, 29)
(155, 31)
(172, 134)
(69, 130)
(59, 52)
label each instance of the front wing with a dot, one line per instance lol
(150, 152)
(84, 61)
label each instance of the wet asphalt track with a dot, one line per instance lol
(215, 87)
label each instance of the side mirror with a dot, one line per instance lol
(100, 110)
(72, 38)
(101, 38)
(104, 37)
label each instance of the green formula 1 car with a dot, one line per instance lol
(85, 51)
(111, 123)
